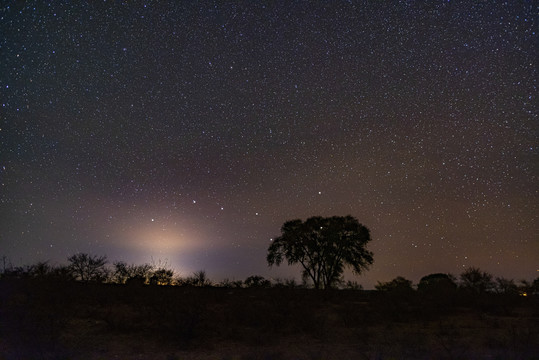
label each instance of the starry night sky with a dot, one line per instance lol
(189, 132)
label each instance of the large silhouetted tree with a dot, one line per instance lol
(323, 247)
(85, 267)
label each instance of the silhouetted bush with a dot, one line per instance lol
(136, 281)
(396, 298)
(398, 285)
(162, 276)
(46, 319)
(85, 267)
(352, 285)
(257, 281)
(505, 286)
(527, 288)
(231, 284)
(476, 281)
(198, 279)
(133, 274)
(437, 284)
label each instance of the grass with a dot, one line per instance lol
(48, 320)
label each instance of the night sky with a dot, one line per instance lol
(189, 132)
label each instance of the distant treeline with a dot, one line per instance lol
(84, 267)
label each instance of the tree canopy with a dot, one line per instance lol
(475, 280)
(437, 283)
(323, 247)
(398, 284)
(87, 267)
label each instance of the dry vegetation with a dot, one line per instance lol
(48, 319)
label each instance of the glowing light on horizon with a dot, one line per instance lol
(163, 238)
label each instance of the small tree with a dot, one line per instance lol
(19, 272)
(527, 288)
(257, 281)
(199, 279)
(475, 280)
(437, 284)
(41, 269)
(134, 274)
(323, 247)
(6, 265)
(85, 267)
(398, 284)
(120, 273)
(505, 286)
(353, 285)
(162, 276)
(62, 273)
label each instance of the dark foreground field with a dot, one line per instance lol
(41, 320)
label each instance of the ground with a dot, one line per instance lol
(51, 320)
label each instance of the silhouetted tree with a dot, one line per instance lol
(398, 284)
(536, 286)
(505, 286)
(120, 274)
(396, 298)
(134, 274)
(162, 276)
(437, 284)
(85, 267)
(527, 288)
(227, 283)
(237, 284)
(61, 273)
(286, 283)
(257, 281)
(323, 247)
(40, 269)
(17, 272)
(353, 285)
(475, 280)
(6, 264)
(199, 278)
